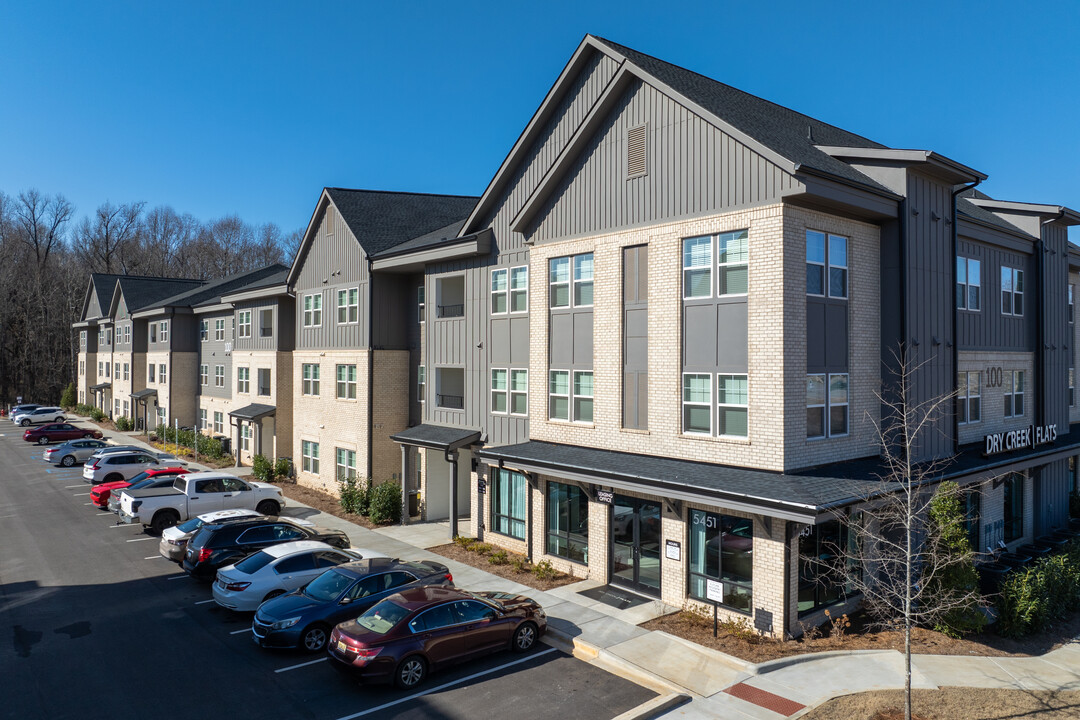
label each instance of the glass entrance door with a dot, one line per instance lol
(635, 544)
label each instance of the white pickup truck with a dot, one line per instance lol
(197, 493)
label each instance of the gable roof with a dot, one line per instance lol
(140, 292)
(211, 292)
(101, 286)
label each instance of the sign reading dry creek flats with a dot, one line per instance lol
(1027, 437)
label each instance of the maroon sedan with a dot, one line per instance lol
(427, 628)
(58, 431)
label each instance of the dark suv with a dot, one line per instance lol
(218, 545)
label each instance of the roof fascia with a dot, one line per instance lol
(163, 310)
(952, 170)
(114, 302)
(469, 246)
(86, 298)
(265, 292)
(827, 191)
(979, 231)
(1048, 212)
(309, 238)
(217, 307)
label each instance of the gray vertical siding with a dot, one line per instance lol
(213, 352)
(1051, 497)
(1054, 380)
(256, 341)
(988, 329)
(693, 169)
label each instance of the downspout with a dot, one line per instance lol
(786, 603)
(956, 310)
(371, 381)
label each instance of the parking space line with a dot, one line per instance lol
(294, 667)
(79, 494)
(175, 577)
(72, 487)
(117, 525)
(141, 539)
(88, 503)
(444, 685)
(153, 557)
(237, 632)
(203, 602)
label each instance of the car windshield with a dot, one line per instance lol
(328, 586)
(254, 563)
(190, 526)
(145, 482)
(382, 618)
(139, 478)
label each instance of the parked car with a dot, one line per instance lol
(102, 493)
(304, 618)
(215, 546)
(421, 629)
(196, 493)
(72, 452)
(174, 540)
(150, 483)
(120, 466)
(39, 416)
(277, 570)
(21, 410)
(168, 458)
(58, 431)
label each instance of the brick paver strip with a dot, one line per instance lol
(765, 699)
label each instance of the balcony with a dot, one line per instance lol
(450, 388)
(450, 297)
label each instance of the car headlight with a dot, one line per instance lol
(282, 624)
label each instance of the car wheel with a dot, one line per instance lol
(164, 519)
(524, 637)
(59, 419)
(43, 440)
(113, 477)
(68, 460)
(314, 638)
(89, 436)
(268, 507)
(273, 594)
(25, 423)
(411, 672)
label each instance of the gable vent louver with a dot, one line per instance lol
(635, 151)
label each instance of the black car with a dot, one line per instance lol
(215, 546)
(305, 617)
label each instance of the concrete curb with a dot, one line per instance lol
(656, 706)
(610, 662)
(781, 663)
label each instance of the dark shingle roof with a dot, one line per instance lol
(783, 130)
(436, 436)
(210, 293)
(142, 292)
(104, 284)
(431, 239)
(381, 220)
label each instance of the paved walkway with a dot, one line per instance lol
(718, 685)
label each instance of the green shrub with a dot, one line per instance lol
(125, 424)
(386, 503)
(351, 490)
(544, 570)
(203, 444)
(958, 580)
(96, 414)
(498, 557)
(69, 396)
(520, 564)
(1034, 597)
(480, 548)
(262, 468)
(464, 541)
(283, 469)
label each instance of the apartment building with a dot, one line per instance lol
(652, 352)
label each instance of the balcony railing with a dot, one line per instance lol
(451, 311)
(450, 402)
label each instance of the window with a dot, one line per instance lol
(127, 369)
(559, 282)
(499, 298)
(420, 313)
(263, 376)
(827, 405)
(1014, 507)
(204, 330)
(313, 310)
(127, 334)
(519, 392)
(203, 420)
(348, 306)
(266, 323)
(968, 398)
(219, 422)
(243, 380)
(219, 376)
(310, 452)
(450, 296)
(826, 251)
(151, 375)
(519, 289)
(82, 334)
(498, 391)
(245, 436)
(346, 463)
(421, 382)
(721, 551)
(162, 374)
(116, 371)
(310, 373)
(559, 395)
(100, 372)
(243, 325)
(567, 522)
(1072, 315)
(1013, 383)
(82, 367)
(968, 284)
(346, 382)
(697, 267)
(219, 329)
(204, 375)
(108, 367)
(508, 501)
(731, 396)
(164, 331)
(1072, 387)
(583, 397)
(697, 404)
(1012, 291)
(583, 280)
(153, 332)
(822, 569)
(815, 263)
(733, 256)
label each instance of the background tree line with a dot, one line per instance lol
(47, 255)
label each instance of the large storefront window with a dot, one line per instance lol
(567, 522)
(509, 496)
(1014, 507)
(824, 552)
(722, 550)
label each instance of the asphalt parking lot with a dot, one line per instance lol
(97, 625)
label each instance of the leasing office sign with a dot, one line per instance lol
(1027, 437)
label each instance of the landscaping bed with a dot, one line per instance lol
(952, 703)
(514, 568)
(182, 451)
(323, 502)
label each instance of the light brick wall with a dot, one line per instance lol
(390, 411)
(992, 514)
(993, 398)
(277, 430)
(178, 394)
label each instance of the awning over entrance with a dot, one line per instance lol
(437, 437)
(101, 386)
(798, 498)
(253, 412)
(140, 395)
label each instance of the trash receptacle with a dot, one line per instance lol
(226, 444)
(414, 503)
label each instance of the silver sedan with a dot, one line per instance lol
(73, 452)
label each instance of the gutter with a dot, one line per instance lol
(956, 310)
(371, 378)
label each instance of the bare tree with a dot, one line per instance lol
(162, 246)
(40, 221)
(102, 242)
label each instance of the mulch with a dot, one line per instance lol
(323, 502)
(953, 703)
(508, 571)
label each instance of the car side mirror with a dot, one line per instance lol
(345, 601)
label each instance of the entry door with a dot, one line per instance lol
(635, 544)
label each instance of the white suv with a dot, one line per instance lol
(119, 466)
(40, 416)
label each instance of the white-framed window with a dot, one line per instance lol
(827, 401)
(127, 369)
(559, 282)
(969, 397)
(219, 422)
(346, 463)
(108, 368)
(346, 382)
(204, 375)
(262, 376)
(116, 371)
(499, 390)
(348, 306)
(732, 399)
(499, 291)
(510, 290)
(519, 289)
(313, 310)
(733, 263)
(559, 395)
(1012, 291)
(697, 267)
(82, 367)
(162, 373)
(583, 396)
(519, 392)
(203, 420)
(153, 332)
(1014, 393)
(243, 325)
(968, 284)
(420, 310)
(1072, 315)
(151, 372)
(826, 264)
(127, 334)
(219, 329)
(697, 403)
(421, 382)
(219, 376)
(243, 380)
(583, 282)
(164, 328)
(245, 436)
(310, 452)
(204, 332)
(311, 373)
(82, 339)
(560, 292)
(266, 322)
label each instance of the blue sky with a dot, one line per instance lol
(252, 107)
